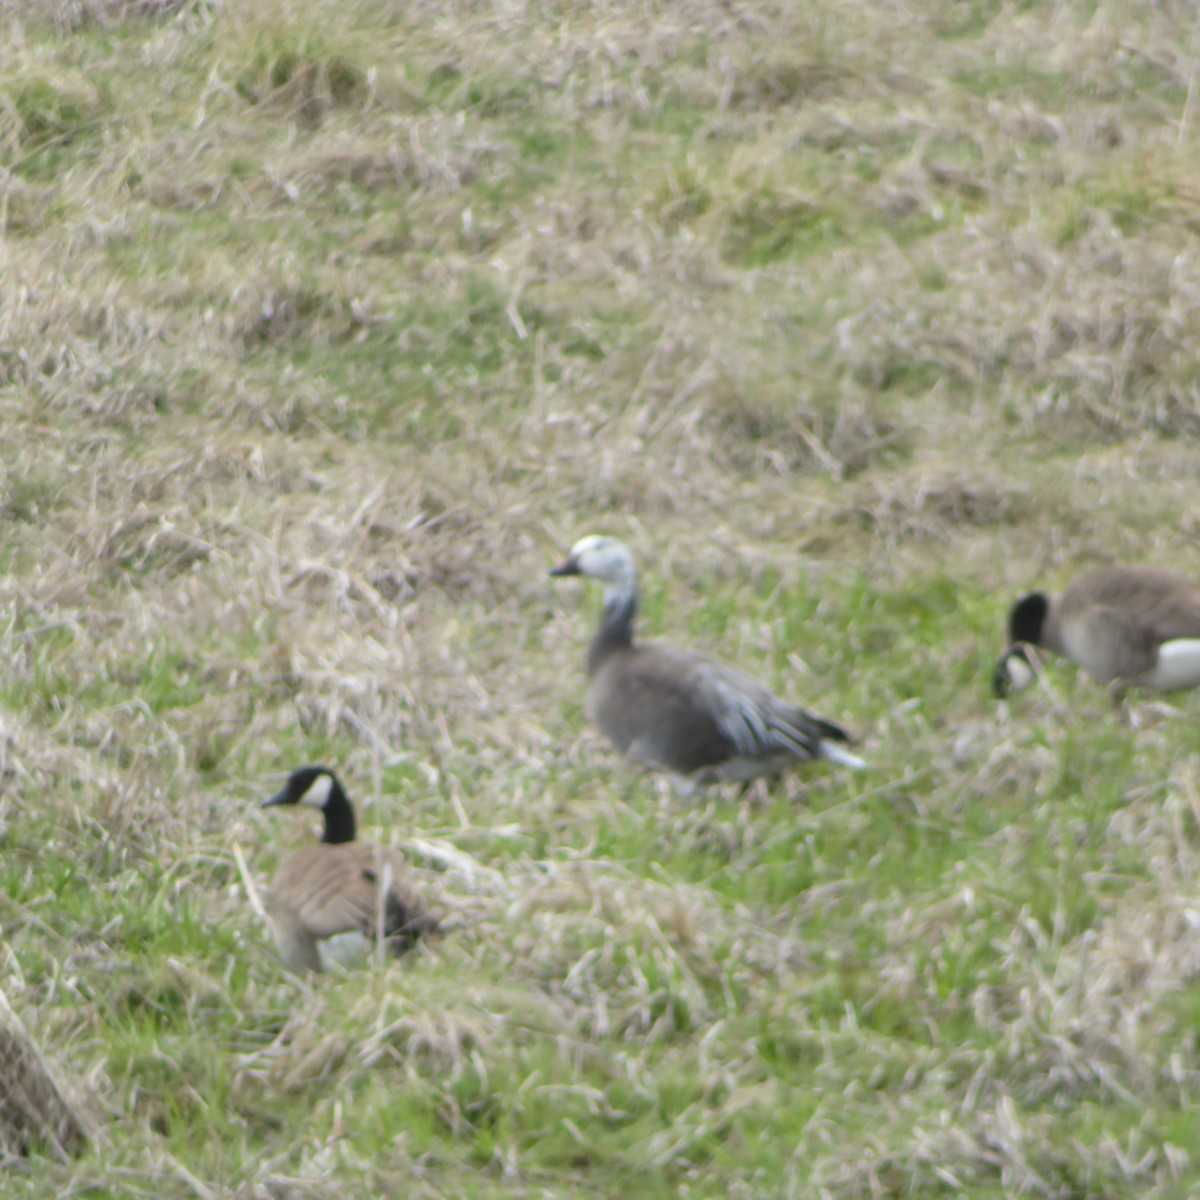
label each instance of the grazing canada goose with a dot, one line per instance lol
(1137, 625)
(681, 711)
(340, 886)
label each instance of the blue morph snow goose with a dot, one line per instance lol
(1132, 625)
(681, 711)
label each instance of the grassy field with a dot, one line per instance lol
(325, 329)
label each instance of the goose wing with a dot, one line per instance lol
(758, 723)
(1157, 604)
(1115, 619)
(1109, 643)
(335, 889)
(685, 711)
(1176, 615)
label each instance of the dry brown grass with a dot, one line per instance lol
(324, 331)
(37, 1113)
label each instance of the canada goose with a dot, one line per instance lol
(684, 712)
(1137, 625)
(334, 888)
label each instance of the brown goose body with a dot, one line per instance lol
(681, 711)
(340, 886)
(1138, 625)
(323, 891)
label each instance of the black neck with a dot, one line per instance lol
(615, 632)
(339, 816)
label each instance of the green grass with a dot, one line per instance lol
(327, 331)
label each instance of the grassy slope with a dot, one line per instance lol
(325, 328)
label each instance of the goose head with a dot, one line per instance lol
(311, 786)
(600, 557)
(318, 787)
(1014, 672)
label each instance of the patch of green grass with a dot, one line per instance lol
(483, 94)
(327, 330)
(682, 196)
(1018, 78)
(48, 118)
(299, 67)
(29, 498)
(965, 20)
(1132, 202)
(764, 228)
(402, 375)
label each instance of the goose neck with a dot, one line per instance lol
(616, 625)
(339, 817)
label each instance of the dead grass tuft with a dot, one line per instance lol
(935, 504)
(789, 434)
(779, 80)
(42, 112)
(297, 72)
(69, 15)
(281, 1187)
(36, 1110)
(325, 330)
(425, 152)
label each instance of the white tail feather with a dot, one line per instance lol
(834, 753)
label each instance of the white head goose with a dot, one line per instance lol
(339, 886)
(680, 711)
(1135, 625)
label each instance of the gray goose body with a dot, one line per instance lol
(340, 886)
(681, 711)
(1137, 625)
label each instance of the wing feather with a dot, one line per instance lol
(757, 721)
(335, 889)
(1164, 605)
(686, 711)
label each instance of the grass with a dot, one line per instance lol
(326, 331)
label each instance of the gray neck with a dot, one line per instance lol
(616, 625)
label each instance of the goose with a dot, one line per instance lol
(1125, 625)
(680, 711)
(340, 886)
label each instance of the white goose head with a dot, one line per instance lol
(600, 558)
(603, 558)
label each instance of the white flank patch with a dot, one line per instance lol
(318, 791)
(1178, 665)
(343, 950)
(1020, 674)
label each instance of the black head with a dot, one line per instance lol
(1014, 672)
(1027, 618)
(309, 785)
(318, 787)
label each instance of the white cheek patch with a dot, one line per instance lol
(318, 792)
(1178, 665)
(1020, 674)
